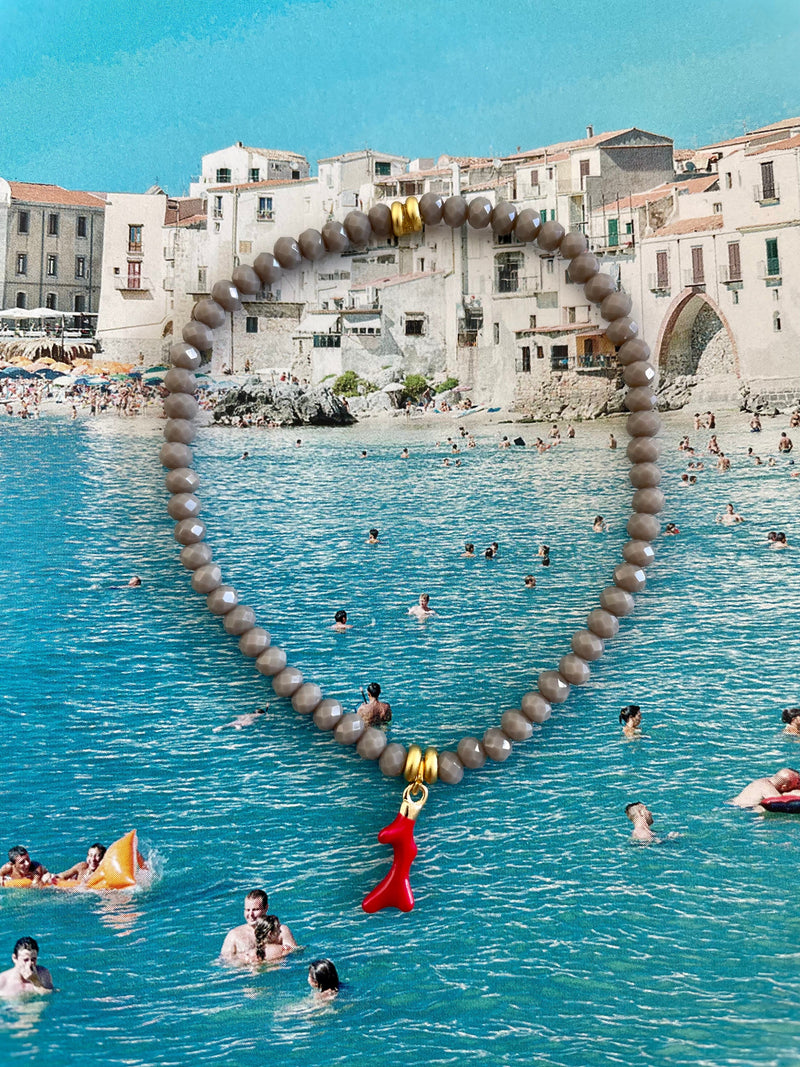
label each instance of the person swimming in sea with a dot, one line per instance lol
(323, 979)
(374, 712)
(631, 719)
(469, 550)
(642, 819)
(85, 868)
(373, 537)
(340, 623)
(530, 581)
(791, 716)
(599, 525)
(544, 555)
(241, 721)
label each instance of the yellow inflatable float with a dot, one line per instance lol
(116, 870)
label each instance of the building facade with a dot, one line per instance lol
(51, 249)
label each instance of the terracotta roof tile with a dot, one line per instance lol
(775, 146)
(683, 226)
(34, 193)
(659, 192)
(271, 153)
(566, 146)
(271, 184)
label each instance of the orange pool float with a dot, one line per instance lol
(117, 869)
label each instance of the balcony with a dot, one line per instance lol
(624, 244)
(132, 284)
(516, 286)
(569, 187)
(693, 279)
(658, 283)
(767, 194)
(729, 275)
(770, 271)
(267, 215)
(134, 248)
(216, 213)
(468, 338)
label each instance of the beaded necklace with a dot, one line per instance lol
(420, 768)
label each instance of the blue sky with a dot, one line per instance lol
(116, 97)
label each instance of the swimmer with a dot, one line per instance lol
(544, 555)
(85, 868)
(612, 441)
(20, 865)
(791, 716)
(570, 433)
(241, 941)
(241, 721)
(323, 979)
(779, 542)
(374, 712)
(698, 422)
(505, 443)
(404, 454)
(730, 517)
(422, 610)
(684, 482)
(340, 623)
(363, 454)
(489, 553)
(631, 719)
(269, 946)
(755, 424)
(713, 445)
(245, 455)
(373, 537)
(446, 462)
(794, 421)
(785, 444)
(469, 550)
(785, 781)
(530, 581)
(26, 976)
(692, 479)
(642, 819)
(599, 525)
(135, 582)
(723, 463)
(671, 530)
(297, 443)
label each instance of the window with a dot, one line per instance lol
(295, 175)
(773, 262)
(255, 174)
(507, 266)
(265, 212)
(81, 226)
(734, 262)
(327, 340)
(22, 263)
(584, 171)
(534, 177)
(698, 273)
(613, 233)
(728, 180)
(539, 352)
(51, 301)
(629, 226)
(52, 266)
(79, 303)
(496, 332)
(734, 296)
(217, 212)
(717, 209)
(52, 225)
(415, 325)
(251, 322)
(21, 301)
(662, 270)
(383, 169)
(559, 357)
(767, 181)
(24, 222)
(135, 238)
(526, 359)
(570, 315)
(80, 266)
(202, 276)
(532, 322)
(422, 265)
(776, 321)
(550, 265)
(223, 175)
(134, 274)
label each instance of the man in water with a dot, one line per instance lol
(241, 721)
(26, 976)
(20, 865)
(785, 781)
(241, 941)
(373, 711)
(642, 819)
(85, 868)
(422, 610)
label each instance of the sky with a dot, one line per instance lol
(119, 97)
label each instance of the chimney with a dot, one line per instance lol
(590, 131)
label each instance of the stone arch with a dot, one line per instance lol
(695, 338)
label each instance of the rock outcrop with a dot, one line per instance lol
(284, 404)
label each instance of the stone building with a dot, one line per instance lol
(51, 248)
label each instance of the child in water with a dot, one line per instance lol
(323, 979)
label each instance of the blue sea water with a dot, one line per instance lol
(540, 935)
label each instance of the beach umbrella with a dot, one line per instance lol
(46, 313)
(60, 365)
(15, 313)
(15, 372)
(63, 380)
(48, 373)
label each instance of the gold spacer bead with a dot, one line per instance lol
(430, 766)
(413, 761)
(413, 215)
(398, 218)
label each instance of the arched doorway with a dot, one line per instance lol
(695, 339)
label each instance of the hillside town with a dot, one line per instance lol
(705, 241)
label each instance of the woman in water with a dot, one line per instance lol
(791, 716)
(599, 525)
(631, 719)
(323, 979)
(373, 711)
(340, 623)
